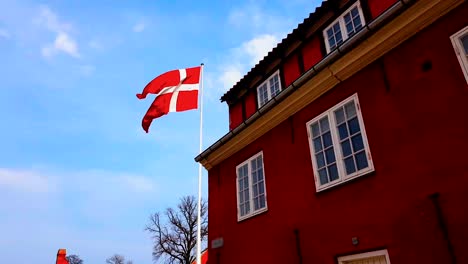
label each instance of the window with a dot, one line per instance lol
(268, 89)
(338, 145)
(344, 27)
(460, 44)
(251, 194)
(375, 257)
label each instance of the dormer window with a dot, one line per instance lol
(344, 27)
(268, 89)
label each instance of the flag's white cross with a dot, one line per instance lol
(176, 89)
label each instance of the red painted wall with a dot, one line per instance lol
(291, 70)
(417, 128)
(377, 7)
(235, 115)
(250, 104)
(312, 53)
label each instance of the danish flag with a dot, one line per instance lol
(176, 90)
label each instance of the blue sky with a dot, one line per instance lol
(76, 169)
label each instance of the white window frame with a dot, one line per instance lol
(252, 212)
(384, 252)
(460, 50)
(340, 19)
(342, 176)
(267, 82)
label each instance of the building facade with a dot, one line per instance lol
(348, 141)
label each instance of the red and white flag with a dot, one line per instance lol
(177, 91)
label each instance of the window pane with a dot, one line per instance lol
(361, 160)
(324, 127)
(336, 27)
(350, 109)
(343, 131)
(333, 172)
(261, 188)
(323, 176)
(260, 174)
(241, 198)
(354, 12)
(262, 201)
(318, 144)
(353, 126)
(241, 185)
(254, 177)
(247, 207)
(347, 18)
(245, 168)
(346, 148)
(339, 116)
(320, 160)
(327, 140)
(339, 38)
(330, 155)
(256, 204)
(464, 41)
(349, 165)
(263, 94)
(246, 195)
(332, 42)
(334, 35)
(274, 85)
(357, 23)
(350, 29)
(253, 163)
(242, 210)
(246, 183)
(357, 143)
(315, 129)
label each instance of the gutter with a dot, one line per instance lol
(309, 74)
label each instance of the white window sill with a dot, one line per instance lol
(344, 180)
(245, 217)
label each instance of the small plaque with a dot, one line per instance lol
(217, 243)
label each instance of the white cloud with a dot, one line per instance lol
(63, 42)
(243, 57)
(4, 33)
(259, 46)
(230, 74)
(49, 19)
(139, 27)
(25, 180)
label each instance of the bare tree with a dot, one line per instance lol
(74, 259)
(175, 231)
(117, 259)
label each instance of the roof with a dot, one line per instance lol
(297, 33)
(309, 26)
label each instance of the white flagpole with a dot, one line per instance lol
(200, 170)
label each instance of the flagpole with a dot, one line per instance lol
(200, 170)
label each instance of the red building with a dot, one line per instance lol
(348, 141)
